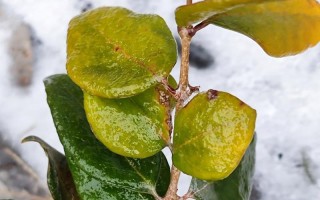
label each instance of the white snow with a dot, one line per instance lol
(284, 91)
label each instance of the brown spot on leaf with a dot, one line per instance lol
(242, 103)
(117, 48)
(212, 94)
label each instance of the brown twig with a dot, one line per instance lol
(184, 68)
(183, 94)
(173, 187)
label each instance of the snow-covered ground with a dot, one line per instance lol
(285, 92)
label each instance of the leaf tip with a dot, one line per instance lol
(33, 138)
(30, 138)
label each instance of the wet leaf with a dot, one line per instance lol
(60, 181)
(115, 53)
(236, 186)
(211, 135)
(98, 173)
(281, 28)
(137, 126)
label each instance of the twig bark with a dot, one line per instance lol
(184, 68)
(183, 95)
(173, 187)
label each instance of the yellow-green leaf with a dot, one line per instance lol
(211, 135)
(237, 186)
(113, 52)
(137, 126)
(281, 28)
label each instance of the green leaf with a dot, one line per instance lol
(281, 28)
(137, 126)
(115, 53)
(60, 181)
(189, 14)
(98, 173)
(211, 135)
(237, 186)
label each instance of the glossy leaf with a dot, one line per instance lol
(281, 28)
(211, 135)
(98, 173)
(236, 186)
(115, 53)
(189, 14)
(137, 126)
(60, 181)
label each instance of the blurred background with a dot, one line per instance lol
(284, 91)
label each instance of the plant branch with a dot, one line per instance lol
(173, 187)
(184, 93)
(184, 68)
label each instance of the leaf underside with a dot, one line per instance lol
(281, 28)
(98, 173)
(187, 15)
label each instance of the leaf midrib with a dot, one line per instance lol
(127, 56)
